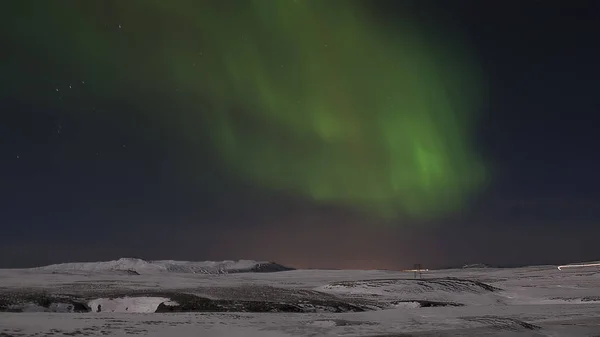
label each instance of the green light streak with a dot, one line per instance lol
(309, 97)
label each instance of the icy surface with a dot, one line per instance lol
(532, 301)
(140, 304)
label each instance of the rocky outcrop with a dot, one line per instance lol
(192, 303)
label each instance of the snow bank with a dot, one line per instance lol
(407, 305)
(129, 304)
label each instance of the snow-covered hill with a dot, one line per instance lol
(138, 266)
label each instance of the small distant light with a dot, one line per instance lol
(579, 265)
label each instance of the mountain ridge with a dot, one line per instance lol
(139, 266)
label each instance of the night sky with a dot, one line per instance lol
(317, 134)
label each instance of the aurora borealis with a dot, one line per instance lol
(334, 133)
(345, 112)
(342, 109)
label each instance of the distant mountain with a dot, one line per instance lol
(475, 265)
(135, 266)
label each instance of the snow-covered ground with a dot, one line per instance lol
(96, 299)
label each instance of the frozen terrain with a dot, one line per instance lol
(249, 298)
(138, 266)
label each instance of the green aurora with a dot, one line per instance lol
(316, 98)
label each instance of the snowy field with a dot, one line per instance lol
(131, 297)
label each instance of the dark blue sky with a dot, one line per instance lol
(95, 186)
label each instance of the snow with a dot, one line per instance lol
(529, 301)
(407, 305)
(147, 267)
(141, 304)
(324, 324)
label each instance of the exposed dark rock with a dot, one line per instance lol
(458, 284)
(16, 300)
(80, 307)
(590, 298)
(449, 284)
(502, 323)
(192, 303)
(430, 304)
